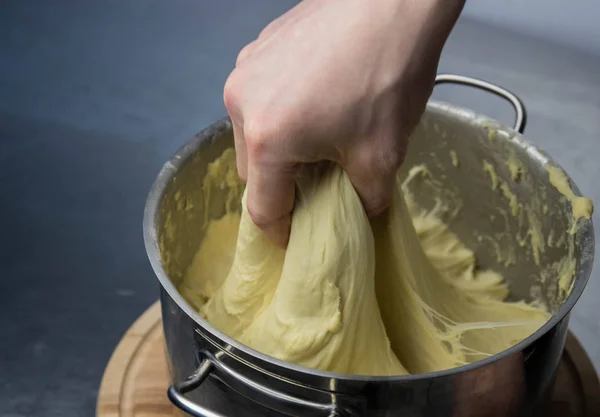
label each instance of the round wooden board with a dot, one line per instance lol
(136, 379)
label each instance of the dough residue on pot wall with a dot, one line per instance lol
(581, 208)
(551, 246)
(398, 294)
(563, 236)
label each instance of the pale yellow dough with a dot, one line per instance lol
(396, 295)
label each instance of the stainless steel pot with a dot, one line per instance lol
(215, 375)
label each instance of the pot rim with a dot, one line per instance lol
(584, 238)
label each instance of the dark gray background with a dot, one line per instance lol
(96, 95)
(572, 22)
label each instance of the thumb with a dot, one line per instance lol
(270, 198)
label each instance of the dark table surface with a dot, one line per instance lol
(95, 96)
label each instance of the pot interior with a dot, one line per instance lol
(494, 188)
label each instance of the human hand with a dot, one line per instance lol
(338, 80)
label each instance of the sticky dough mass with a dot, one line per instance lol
(399, 294)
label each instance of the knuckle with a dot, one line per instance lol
(244, 53)
(259, 133)
(230, 93)
(260, 219)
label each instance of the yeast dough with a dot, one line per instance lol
(399, 294)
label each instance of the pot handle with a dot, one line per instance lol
(517, 103)
(280, 400)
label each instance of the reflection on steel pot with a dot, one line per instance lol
(215, 375)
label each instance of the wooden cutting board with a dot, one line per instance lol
(136, 378)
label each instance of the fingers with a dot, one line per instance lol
(269, 179)
(231, 100)
(373, 173)
(241, 155)
(376, 194)
(270, 196)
